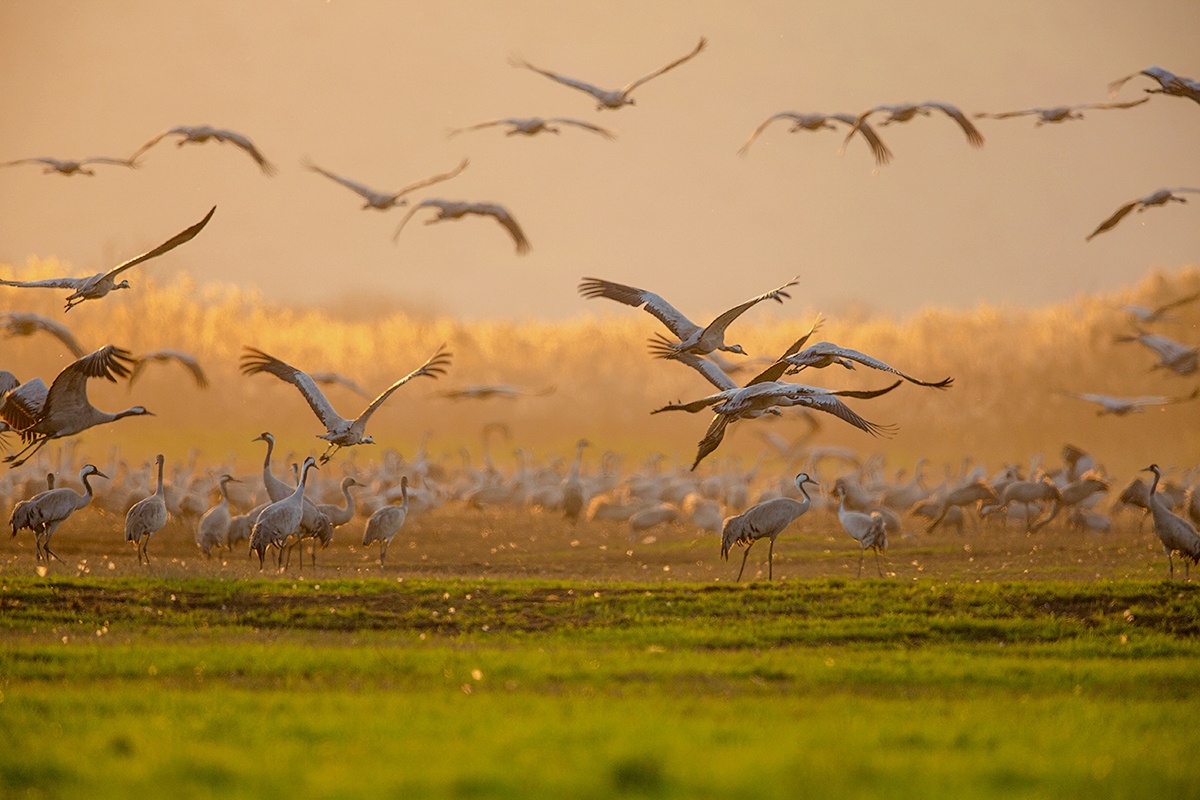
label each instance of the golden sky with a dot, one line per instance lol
(369, 89)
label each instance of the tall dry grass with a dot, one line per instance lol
(1010, 368)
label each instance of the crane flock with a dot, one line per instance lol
(40, 414)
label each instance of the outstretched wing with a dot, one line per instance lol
(341, 380)
(48, 283)
(762, 126)
(825, 349)
(69, 389)
(722, 322)
(435, 366)
(489, 124)
(18, 320)
(776, 370)
(445, 176)
(501, 215)
(878, 149)
(22, 406)
(968, 127)
(188, 361)
(245, 144)
(1130, 104)
(365, 191)
(629, 87)
(254, 361)
(712, 438)
(663, 311)
(180, 129)
(1008, 114)
(713, 373)
(587, 126)
(183, 236)
(833, 405)
(1117, 216)
(582, 86)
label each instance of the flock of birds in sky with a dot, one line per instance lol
(39, 413)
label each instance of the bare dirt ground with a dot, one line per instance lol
(455, 541)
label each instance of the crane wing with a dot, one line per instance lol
(156, 139)
(69, 389)
(183, 236)
(832, 405)
(587, 126)
(445, 176)
(722, 322)
(882, 154)
(776, 370)
(663, 311)
(245, 144)
(435, 366)
(968, 127)
(357, 188)
(713, 373)
(762, 126)
(1111, 222)
(22, 406)
(1130, 104)
(582, 86)
(255, 361)
(629, 87)
(830, 349)
(500, 213)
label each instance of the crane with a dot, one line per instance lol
(826, 354)
(40, 414)
(383, 201)
(53, 506)
(1158, 198)
(691, 338)
(609, 98)
(1168, 83)
(386, 522)
(71, 167)
(187, 360)
(907, 111)
(96, 286)
(340, 432)
(147, 516)
(17, 323)
(1177, 534)
(867, 529)
(213, 530)
(816, 122)
(765, 520)
(457, 209)
(1121, 406)
(1060, 113)
(531, 126)
(1145, 316)
(281, 519)
(199, 134)
(1172, 355)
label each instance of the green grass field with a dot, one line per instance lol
(198, 687)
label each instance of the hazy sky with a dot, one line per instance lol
(369, 89)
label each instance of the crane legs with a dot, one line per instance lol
(27, 451)
(744, 557)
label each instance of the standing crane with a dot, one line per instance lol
(867, 529)
(213, 529)
(52, 507)
(313, 522)
(764, 521)
(147, 516)
(40, 414)
(337, 516)
(386, 522)
(609, 98)
(96, 286)
(281, 519)
(1177, 534)
(339, 431)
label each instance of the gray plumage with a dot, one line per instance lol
(457, 209)
(66, 166)
(383, 201)
(1177, 534)
(827, 354)
(199, 134)
(186, 360)
(42, 414)
(386, 522)
(764, 521)
(868, 530)
(213, 529)
(51, 508)
(816, 122)
(1159, 198)
(1168, 84)
(281, 519)
(147, 516)
(99, 285)
(16, 323)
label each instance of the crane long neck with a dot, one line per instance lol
(303, 479)
(349, 498)
(158, 491)
(1154, 483)
(267, 459)
(86, 497)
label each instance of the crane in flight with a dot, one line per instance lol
(609, 98)
(1168, 83)
(40, 414)
(1121, 406)
(690, 337)
(199, 134)
(96, 286)
(385, 200)
(1159, 198)
(827, 354)
(1054, 114)
(908, 111)
(186, 360)
(19, 323)
(531, 126)
(457, 209)
(70, 167)
(816, 122)
(339, 431)
(1144, 315)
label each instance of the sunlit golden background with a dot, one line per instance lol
(950, 261)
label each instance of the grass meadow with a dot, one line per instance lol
(502, 654)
